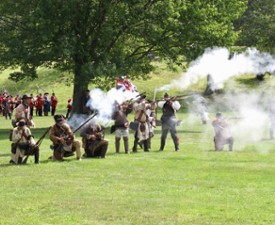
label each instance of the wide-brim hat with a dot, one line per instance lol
(59, 118)
(25, 96)
(21, 123)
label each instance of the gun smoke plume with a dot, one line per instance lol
(221, 66)
(104, 103)
(250, 122)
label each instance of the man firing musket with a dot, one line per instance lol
(169, 107)
(223, 134)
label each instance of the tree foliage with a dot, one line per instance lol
(257, 25)
(100, 39)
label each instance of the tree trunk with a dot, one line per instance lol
(80, 86)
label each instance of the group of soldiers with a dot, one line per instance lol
(40, 104)
(92, 134)
(145, 122)
(64, 143)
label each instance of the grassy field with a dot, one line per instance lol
(196, 185)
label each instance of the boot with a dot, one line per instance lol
(162, 144)
(126, 144)
(145, 142)
(135, 145)
(117, 144)
(149, 143)
(176, 143)
(36, 156)
(20, 159)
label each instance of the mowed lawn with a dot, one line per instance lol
(196, 185)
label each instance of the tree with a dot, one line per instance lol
(99, 39)
(257, 25)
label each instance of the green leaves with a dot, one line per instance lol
(101, 39)
(257, 25)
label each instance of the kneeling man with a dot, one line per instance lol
(93, 140)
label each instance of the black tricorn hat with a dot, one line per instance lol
(142, 96)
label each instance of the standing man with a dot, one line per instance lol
(54, 102)
(39, 104)
(169, 120)
(47, 104)
(32, 102)
(69, 107)
(64, 142)
(121, 126)
(6, 107)
(22, 111)
(142, 131)
(151, 113)
(85, 99)
(222, 133)
(93, 140)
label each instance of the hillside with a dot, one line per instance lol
(50, 80)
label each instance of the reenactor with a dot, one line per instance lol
(93, 140)
(169, 121)
(64, 141)
(223, 134)
(22, 111)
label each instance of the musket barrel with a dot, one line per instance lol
(85, 122)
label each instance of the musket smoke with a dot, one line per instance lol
(104, 103)
(221, 66)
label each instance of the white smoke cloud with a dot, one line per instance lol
(104, 103)
(78, 121)
(248, 115)
(221, 66)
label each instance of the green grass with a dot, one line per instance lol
(193, 186)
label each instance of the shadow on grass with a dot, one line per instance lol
(181, 132)
(5, 155)
(37, 132)
(250, 82)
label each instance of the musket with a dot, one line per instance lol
(37, 144)
(137, 96)
(89, 119)
(59, 145)
(174, 98)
